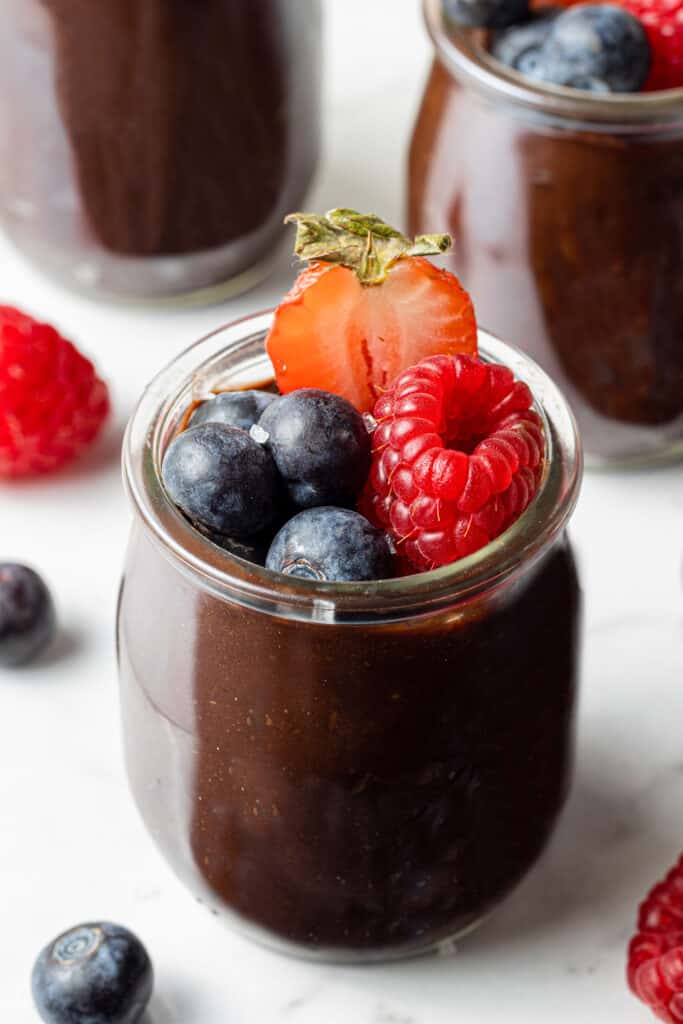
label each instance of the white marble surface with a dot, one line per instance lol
(71, 844)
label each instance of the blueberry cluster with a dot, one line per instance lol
(250, 462)
(598, 48)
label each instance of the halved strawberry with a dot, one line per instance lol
(368, 306)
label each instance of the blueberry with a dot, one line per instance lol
(486, 13)
(321, 447)
(332, 544)
(234, 408)
(27, 614)
(221, 479)
(597, 41)
(516, 44)
(93, 974)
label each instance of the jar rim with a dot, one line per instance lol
(156, 419)
(467, 60)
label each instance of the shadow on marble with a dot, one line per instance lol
(104, 454)
(68, 642)
(170, 1004)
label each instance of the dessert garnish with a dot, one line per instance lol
(368, 306)
(328, 543)
(486, 13)
(320, 444)
(663, 23)
(222, 480)
(241, 409)
(318, 489)
(52, 403)
(655, 954)
(623, 46)
(93, 974)
(457, 457)
(27, 615)
(593, 47)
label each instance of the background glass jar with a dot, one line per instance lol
(151, 150)
(355, 771)
(567, 214)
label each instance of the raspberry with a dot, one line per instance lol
(663, 22)
(52, 404)
(457, 457)
(655, 954)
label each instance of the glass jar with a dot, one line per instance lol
(356, 771)
(151, 150)
(567, 213)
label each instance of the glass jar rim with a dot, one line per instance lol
(468, 61)
(156, 420)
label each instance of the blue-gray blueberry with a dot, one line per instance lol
(331, 544)
(27, 614)
(96, 973)
(320, 445)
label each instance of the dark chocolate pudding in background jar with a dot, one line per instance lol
(150, 150)
(346, 771)
(567, 211)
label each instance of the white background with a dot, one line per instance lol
(71, 844)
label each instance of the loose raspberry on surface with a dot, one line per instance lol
(368, 306)
(457, 457)
(655, 954)
(52, 404)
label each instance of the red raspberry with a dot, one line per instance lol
(663, 22)
(457, 457)
(51, 402)
(655, 954)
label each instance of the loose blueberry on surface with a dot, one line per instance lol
(321, 447)
(514, 46)
(222, 479)
(486, 13)
(333, 545)
(27, 614)
(596, 41)
(234, 408)
(93, 974)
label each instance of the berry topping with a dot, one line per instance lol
(600, 47)
(519, 47)
(222, 480)
(320, 444)
(486, 13)
(93, 974)
(52, 404)
(27, 614)
(663, 23)
(368, 306)
(457, 457)
(655, 955)
(234, 408)
(333, 545)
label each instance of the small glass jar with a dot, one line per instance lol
(150, 150)
(566, 209)
(357, 771)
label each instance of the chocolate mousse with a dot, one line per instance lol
(177, 117)
(354, 787)
(153, 149)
